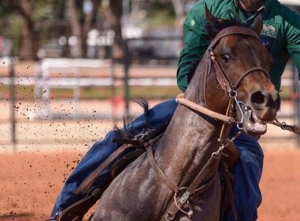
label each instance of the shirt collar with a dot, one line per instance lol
(253, 14)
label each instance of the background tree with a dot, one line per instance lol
(24, 8)
(114, 15)
(82, 17)
(32, 24)
(26, 23)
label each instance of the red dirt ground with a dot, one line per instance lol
(30, 182)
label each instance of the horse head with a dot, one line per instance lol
(239, 64)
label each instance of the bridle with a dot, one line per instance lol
(220, 75)
(231, 89)
(222, 79)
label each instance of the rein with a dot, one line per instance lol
(284, 126)
(181, 100)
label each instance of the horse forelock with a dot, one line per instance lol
(127, 132)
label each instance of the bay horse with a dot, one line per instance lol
(149, 187)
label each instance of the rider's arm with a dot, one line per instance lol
(292, 28)
(196, 42)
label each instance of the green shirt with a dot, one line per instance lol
(281, 35)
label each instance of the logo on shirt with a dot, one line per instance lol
(270, 30)
(193, 22)
(268, 36)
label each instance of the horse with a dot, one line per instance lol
(225, 80)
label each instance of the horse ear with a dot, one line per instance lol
(258, 24)
(208, 14)
(211, 23)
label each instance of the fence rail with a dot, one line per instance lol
(66, 74)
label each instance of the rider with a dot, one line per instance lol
(281, 36)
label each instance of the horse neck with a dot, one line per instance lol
(191, 137)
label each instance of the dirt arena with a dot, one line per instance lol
(30, 182)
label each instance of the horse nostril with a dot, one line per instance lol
(259, 99)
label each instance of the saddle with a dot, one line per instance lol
(76, 211)
(138, 146)
(131, 150)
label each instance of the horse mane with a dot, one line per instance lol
(194, 65)
(127, 133)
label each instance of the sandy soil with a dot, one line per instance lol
(30, 183)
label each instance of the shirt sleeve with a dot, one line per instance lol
(196, 42)
(292, 27)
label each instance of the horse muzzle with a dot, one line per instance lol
(260, 109)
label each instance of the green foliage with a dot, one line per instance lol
(10, 24)
(95, 93)
(165, 8)
(161, 14)
(100, 93)
(11, 21)
(58, 9)
(43, 10)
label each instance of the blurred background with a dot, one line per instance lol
(69, 72)
(83, 60)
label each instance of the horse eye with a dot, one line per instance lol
(225, 57)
